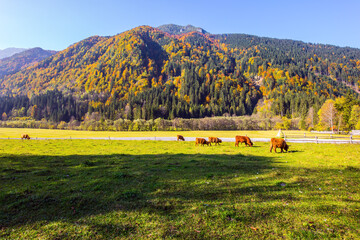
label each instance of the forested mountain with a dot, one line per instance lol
(8, 52)
(148, 73)
(177, 29)
(292, 71)
(143, 73)
(24, 59)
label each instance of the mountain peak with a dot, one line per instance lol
(177, 29)
(8, 52)
(21, 60)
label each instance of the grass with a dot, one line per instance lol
(51, 133)
(102, 189)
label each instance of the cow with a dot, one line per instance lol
(215, 140)
(26, 136)
(278, 143)
(202, 141)
(179, 137)
(243, 139)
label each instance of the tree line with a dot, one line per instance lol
(54, 110)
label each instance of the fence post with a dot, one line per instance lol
(316, 138)
(351, 138)
(304, 135)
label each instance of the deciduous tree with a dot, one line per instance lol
(327, 114)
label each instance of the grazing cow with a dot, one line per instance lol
(215, 140)
(278, 143)
(243, 139)
(179, 137)
(202, 141)
(26, 136)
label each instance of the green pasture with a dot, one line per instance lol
(52, 133)
(105, 189)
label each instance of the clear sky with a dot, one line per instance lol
(56, 24)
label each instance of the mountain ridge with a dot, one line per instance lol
(147, 73)
(178, 29)
(8, 52)
(21, 60)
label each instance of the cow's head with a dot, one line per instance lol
(286, 148)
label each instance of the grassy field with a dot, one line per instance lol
(49, 133)
(101, 189)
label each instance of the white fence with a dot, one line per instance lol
(355, 132)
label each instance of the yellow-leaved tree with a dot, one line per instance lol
(355, 117)
(327, 115)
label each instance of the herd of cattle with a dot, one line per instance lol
(274, 143)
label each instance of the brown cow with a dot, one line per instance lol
(278, 143)
(179, 137)
(243, 139)
(215, 140)
(26, 136)
(202, 141)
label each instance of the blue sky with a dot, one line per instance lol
(56, 24)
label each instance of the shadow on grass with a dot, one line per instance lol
(51, 188)
(294, 151)
(72, 188)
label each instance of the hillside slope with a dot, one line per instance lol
(147, 69)
(147, 73)
(13, 64)
(177, 29)
(8, 52)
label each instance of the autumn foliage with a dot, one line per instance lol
(145, 73)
